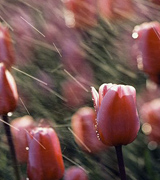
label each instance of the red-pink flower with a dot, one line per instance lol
(117, 118)
(8, 91)
(22, 126)
(6, 48)
(147, 45)
(84, 13)
(115, 9)
(45, 158)
(82, 123)
(75, 173)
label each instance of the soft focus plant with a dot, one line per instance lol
(147, 45)
(22, 126)
(75, 173)
(114, 9)
(82, 123)
(45, 158)
(6, 48)
(81, 13)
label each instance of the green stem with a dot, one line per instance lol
(11, 146)
(120, 162)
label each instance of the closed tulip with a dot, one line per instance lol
(84, 13)
(82, 123)
(45, 158)
(117, 118)
(75, 173)
(148, 48)
(20, 137)
(8, 91)
(150, 114)
(6, 48)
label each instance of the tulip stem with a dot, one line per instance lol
(11, 146)
(120, 162)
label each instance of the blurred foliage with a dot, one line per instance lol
(107, 49)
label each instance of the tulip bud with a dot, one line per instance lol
(20, 136)
(117, 118)
(75, 173)
(8, 91)
(82, 123)
(6, 49)
(45, 158)
(150, 114)
(82, 13)
(147, 44)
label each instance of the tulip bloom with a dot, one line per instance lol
(147, 44)
(117, 118)
(20, 136)
(82, 123)
(6, 48)
(45, 158)
(8, 91)
(84, 13)
(150, 114)
(75, 173)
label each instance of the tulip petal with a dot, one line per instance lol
(103, 90)
(8, 91)
(95, 98)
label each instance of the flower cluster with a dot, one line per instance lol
(62, 27)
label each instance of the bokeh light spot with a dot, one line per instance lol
(146, 128)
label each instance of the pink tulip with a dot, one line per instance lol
(84, 12)
(6, 48)
(82, 123)
(8, 91)
(24, 125)
(115, 9)
(18, 18)
(147, 44)
(117, 118)
(45, 158)
(75, 173)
